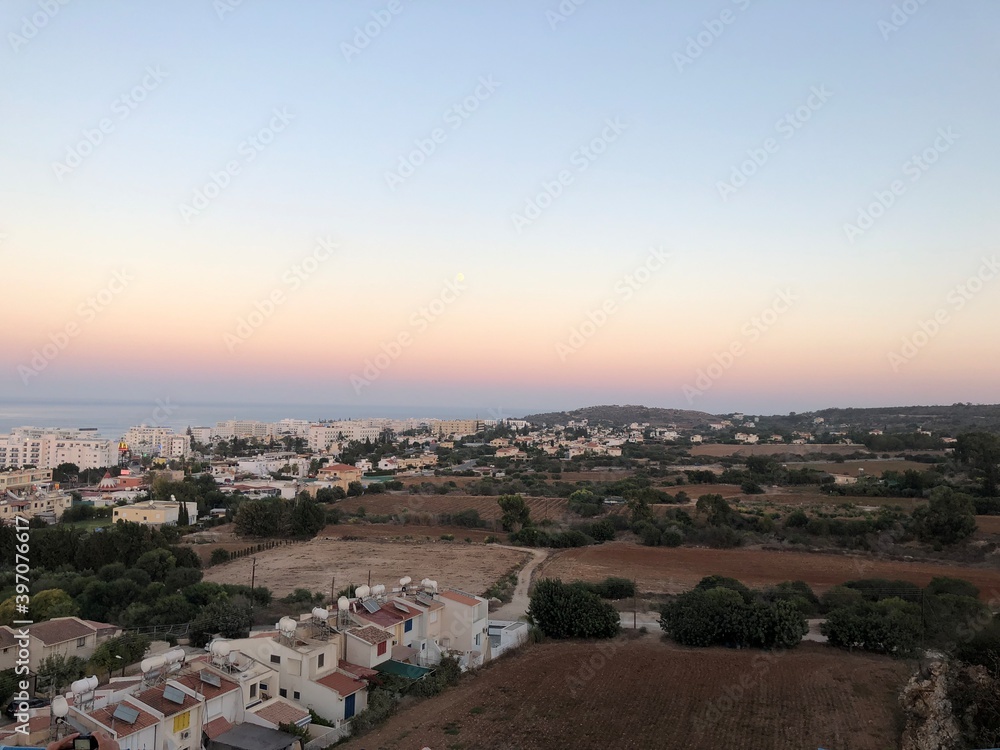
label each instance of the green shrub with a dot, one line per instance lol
(566, 611)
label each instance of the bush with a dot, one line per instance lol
(888, 626)
(566, 611)
(721, 616)
(219, 556)
(610, 588)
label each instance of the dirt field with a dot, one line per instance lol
(396, 504)
(718, 450)
(312, 565)
(988, 524)
(401, 532)
(672, 570)
(871, 468)
(803, 496)
(650, 694)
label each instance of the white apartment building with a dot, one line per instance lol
(161, 441)
(243, 428)
(201, 435)
(326, 434)
(46, 448)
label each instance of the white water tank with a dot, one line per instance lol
(148, 665)
(286, 625)
(86, 685)
(174, 656)
(321, 613)
(363, 592)
(220, 648)
(378, 590)
(405, 581)
(343, 604)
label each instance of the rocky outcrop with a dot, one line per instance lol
(930, 718)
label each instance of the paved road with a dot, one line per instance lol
(518, 605)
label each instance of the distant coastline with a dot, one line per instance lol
(112, 418)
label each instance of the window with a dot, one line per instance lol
(320, 660)
(81, 642)
(408, 626)
(434, 616)
(381, 648)
(263, 687)
(295, 695)
(182, 722)
(275, 659)
(253, 690)
(282, 692)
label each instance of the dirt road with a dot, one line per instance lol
(518, 605)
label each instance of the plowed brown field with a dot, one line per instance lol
(396, 504)
(672, 570)
(648, 694)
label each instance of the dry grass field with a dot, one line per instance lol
(315, 564)
(638, 694)
(395, 504)
(871, 468)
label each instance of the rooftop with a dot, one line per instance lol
(278, 712)
(342, 684)
(370, 634)
(106, 717)
(155, 700)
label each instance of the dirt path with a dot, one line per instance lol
(518, 605)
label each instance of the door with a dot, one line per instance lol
(349, 706)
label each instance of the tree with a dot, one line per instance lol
(57, 671)
(981, 452)
(183, 519)
(306, 517)
(949, 518)
(52, 603)
(119, 652)
(516, 514)
(566, 611)
(229, 618)
(157, 563)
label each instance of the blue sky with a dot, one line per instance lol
(554, 90)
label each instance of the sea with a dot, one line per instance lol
(111, 419)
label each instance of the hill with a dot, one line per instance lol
(624, 415)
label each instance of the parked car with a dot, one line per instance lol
(13, 706)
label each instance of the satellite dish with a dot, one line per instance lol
(343, 604)
(60, 707)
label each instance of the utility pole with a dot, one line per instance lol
(253, 580)
(635, 606)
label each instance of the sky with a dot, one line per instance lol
(501, 206)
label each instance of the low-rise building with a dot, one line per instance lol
(155, 512)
